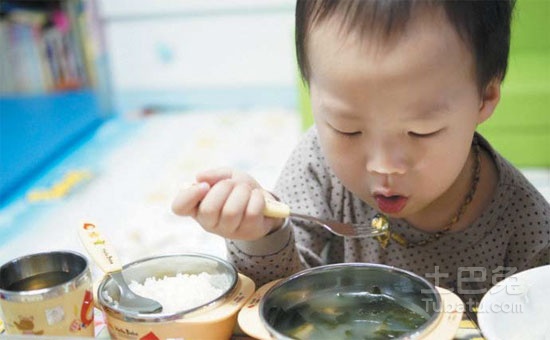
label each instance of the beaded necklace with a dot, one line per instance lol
(381, 222)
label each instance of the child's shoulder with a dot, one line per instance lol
(309, 162)
(514, 191)
(309, 146)
(520, 214)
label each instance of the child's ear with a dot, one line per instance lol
(489, 100)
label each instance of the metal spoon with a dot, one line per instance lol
(104, 256)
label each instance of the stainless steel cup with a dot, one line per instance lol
(47, 294)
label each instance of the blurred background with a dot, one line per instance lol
(108, 107)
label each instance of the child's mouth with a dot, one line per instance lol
(390, 204)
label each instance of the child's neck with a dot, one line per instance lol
(438, 215)
(487, 185)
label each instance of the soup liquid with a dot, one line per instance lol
(365, 316)
(44, 280)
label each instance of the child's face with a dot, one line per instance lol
(396, 119)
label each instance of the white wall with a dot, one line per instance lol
(167, 45)
(123, 8)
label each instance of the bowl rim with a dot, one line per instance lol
(121, 314)
(432, 320)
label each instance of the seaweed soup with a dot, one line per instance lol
(354, 315)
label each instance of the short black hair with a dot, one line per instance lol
(484, 25)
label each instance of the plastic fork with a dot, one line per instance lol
(278, 209)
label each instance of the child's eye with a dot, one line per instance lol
(345, 133)
(349, 134)
(423, 135)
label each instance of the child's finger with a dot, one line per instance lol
(214, 176)
(254, 224)
(234, 208)
(209, 211)
(188, 199)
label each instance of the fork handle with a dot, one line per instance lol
(276, 209)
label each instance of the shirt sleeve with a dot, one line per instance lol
(303, 185)
(272, 257)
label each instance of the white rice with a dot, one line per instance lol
(183, 291)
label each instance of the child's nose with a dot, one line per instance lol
(386, 158)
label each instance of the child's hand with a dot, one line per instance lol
(227, 203)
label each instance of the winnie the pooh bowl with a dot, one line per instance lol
(48, 294)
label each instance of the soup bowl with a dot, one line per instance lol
(350, 301)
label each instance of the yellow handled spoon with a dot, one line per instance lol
(105, 257)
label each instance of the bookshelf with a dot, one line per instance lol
(51, 88)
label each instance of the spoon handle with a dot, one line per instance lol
(101, 251)
(276, 209)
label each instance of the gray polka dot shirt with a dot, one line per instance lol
(511, 235)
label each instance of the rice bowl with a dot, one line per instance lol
(221, 293)
(182, 291)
